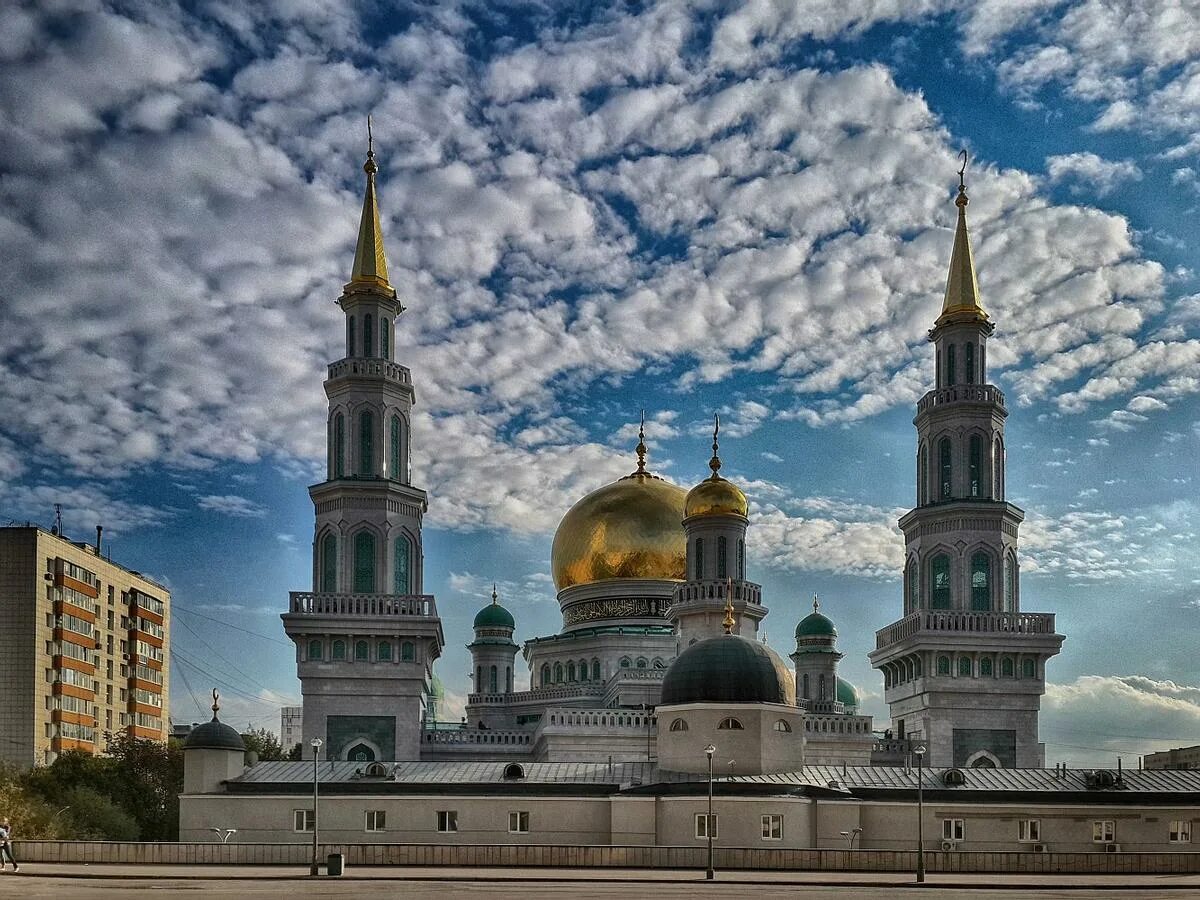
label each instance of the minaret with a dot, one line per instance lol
(816, 660)
(715, 524)
(964, 670)
(492, 654)
(366, 636)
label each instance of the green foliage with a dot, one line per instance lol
(296, 753)
(94, 816)
(147, 781)
(264, 743)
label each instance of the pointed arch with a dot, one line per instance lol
(366, 443)
(981, 581)
(402, 554)
(350, 325)
(384, 348)
(969, 362)
(913, 579)
(950, 366)
(595, 670)
(741, 559)
(975, 465)
(946, 468)
(394, 455)
(339, 446)
(545, 674)
(939, 582)
(699, 558)
(368, 335)
(998, 470)
(493, 681)
(329, 567)
(923, 475)
(722, 557)
(364, 562)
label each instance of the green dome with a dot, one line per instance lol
(815, 625)
(494, 616)
(847, 694)
(214, 735)
(728, 669)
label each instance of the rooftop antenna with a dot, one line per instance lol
(58, 528)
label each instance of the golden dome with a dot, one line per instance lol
(631, 528)
(715, 497)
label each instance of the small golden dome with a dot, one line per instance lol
(631, 528)
(715, 497)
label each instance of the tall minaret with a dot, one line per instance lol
(366, 636)
(964, 670)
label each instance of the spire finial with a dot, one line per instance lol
(961, 201)
(370, 261)
(962, 285)
(728, 621)
(715, 462)
(816, 603)
(369, 166)
(641, 446)
(495, 596)
(216, 703)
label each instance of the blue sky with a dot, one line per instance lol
(683, 207)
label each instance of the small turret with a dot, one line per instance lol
(816, 660)
(492, 654)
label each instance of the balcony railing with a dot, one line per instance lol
(959, 621)
(374, 367)
(364, 605)
(599, 720)
(714, 589)
(961, 393)
(561, 692)
(475, 736)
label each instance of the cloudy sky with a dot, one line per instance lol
(683, 207)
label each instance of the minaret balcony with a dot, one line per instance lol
(946, 622)
(962, 393)
(714, 589)
(370, 367)
(373, 606)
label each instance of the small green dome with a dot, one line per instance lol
(815, 624)
(847, 694)
(214, 735)
(494, 616)
(728, 669)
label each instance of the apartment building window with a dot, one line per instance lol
(1104, 831)
(953, 829)
(447, 820)
(518, 822)
(303, 820)
(376, 820)
(702, 822)
(1181, 831)
(772, 828)
(1029, 830)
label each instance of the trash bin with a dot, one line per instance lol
(337, 863)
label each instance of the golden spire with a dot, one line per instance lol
(370, 262)
(728, 621)
(715, 462)
(641, 447)
(962, 287)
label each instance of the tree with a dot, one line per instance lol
(264, 743)
(93, 816)
(147, 778)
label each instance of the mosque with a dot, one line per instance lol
(658, 673)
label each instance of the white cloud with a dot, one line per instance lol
(1090, 172)
(232, 505)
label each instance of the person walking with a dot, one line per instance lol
(6, 845)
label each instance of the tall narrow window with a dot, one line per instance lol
(383, 338)
(493, 684)
(558, 673)
(981, 582)
(805, 693)
(820, 687)
(923, 476)
(402, 577)
(1006, 667)
(964, 667)
(408, 652)
(1028, 668)
(595, 670)
(1010, 590)
(997, 471)
(969, 363)
(741, 559)
(946, 467)
(937, 378)
(982, 363)
(914, 586)
(699, 558)
(361, 651)
(985, 668)
(339, 445)
(508, 679)
(545, 674)
(975, 464)
(950, 366)
(571, 671)
(364, 563)
(394, 456)
(939, 582)
(722, 557)
(366, 444)
(350, 335)
(329, 563)
(368, 335)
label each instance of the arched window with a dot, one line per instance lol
(969, 363)
(508, 679)
(339, 446)
(943, 665)
(679, 725)
(964, 667)
(329, 563)
(394, 455)
(985, 668)
(658, 663)
(595, 670)
(583, 670)
(643, 663)
(366, 443)
(939, 582)
(997, 471)
(805, 693)
(982, 363)
(914, 586)
(361, 652)
(923, 475)
(741, 559)
(383, 339)
(407, 652)
(722, 557)
(571, 671)
(820, 687)
(385, 651)
(338, 650)
(1006, 667)
(314, 649)
(402, 573)
(699, 558)
(626, 662)
(1010, 582)
(730, 724)
(950, 375)
(368, 336)
(350, 335)
(782, 725)
(364, 563)
(975, 465)
(981, 582)
(545, 674)
(944, 462)
(558, 673)
(493, 682)
(479, 679)
(1028, 669)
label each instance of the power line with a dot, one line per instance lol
(183, 675)
(222, 656)
(259, 634)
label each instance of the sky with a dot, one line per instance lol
(591, 209)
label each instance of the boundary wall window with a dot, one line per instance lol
(772, 827)
(376, 820)
(953, 829)
(303, 820)
(702, 821)
(1029, 830)
(447, 820)
(1181, 831)
(518, 822)
(1104, 831)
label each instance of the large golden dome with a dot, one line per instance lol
(628, 529)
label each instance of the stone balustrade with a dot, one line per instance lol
(374, 367)
(964, 622)
(539, 695)
(600, 720)
(961, 393)
(476, 736)
(714, 589)
(305, 603)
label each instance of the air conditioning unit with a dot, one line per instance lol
(1112, 848)
(949, 845)
(1040, 848)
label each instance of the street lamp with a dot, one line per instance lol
(919, 750)
(708, 823)
(316, 747)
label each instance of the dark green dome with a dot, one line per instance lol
(847, 694)
(494, 616)
(728, 669)
(815, 624)
(214, 735)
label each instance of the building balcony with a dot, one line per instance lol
(477, 736)
(714, 589)
(304, 603)
(961, 393)
(370, 367)
(949, 621)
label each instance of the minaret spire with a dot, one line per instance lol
(641, 447)
(962, 286)
(715, 462)
(370, 261)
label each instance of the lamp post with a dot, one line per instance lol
(708, 823)
(316, 746)
(919, 750)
